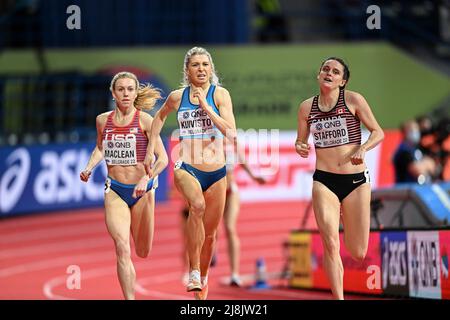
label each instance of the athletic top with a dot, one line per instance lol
(336, 127)
(193, 121)
(124, 145)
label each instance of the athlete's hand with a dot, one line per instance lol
(141, 188)
(84, 175)
(358, 156)
(302, 149)
(199, 93)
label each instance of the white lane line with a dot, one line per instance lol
(50, 285)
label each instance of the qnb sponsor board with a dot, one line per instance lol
(45, 178)
(424, 264)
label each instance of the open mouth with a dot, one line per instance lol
(328, 80)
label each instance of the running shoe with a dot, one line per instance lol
(235, 281)
(194, 283)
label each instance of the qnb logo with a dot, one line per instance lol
(14, 179)
(185, 115)
(427, 258)
(198, 113)
(332, 124)
(319, 126)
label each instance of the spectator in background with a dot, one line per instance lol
(23, 27)
(410, 164)
(443, 140)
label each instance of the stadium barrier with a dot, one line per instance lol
(399, 263)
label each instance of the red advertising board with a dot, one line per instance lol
(362, 276)
(444, 247)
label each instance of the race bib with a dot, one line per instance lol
(330, 132)
(195, 122)
(120, 152)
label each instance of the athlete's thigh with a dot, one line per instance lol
(142, 218)
(117, 216)
(326, 207)
(187, 185)
(356, 214)
(215, 204)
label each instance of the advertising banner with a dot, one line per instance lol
(394, 256)
(47, 177)
(271, 154)
(300, 262)
(364, 277)
(444, 243)
(424, 261)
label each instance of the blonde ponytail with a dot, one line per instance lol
(147, 97)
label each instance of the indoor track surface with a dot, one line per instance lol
(39, 254)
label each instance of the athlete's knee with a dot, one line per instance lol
(230, 228)
(210, 238)
(331, 245)
(143, 250)
(358, 253)
(197, 208)
(123, 250)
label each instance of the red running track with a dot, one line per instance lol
(36, 252)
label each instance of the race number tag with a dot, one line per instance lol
(120, 152)
(195, 122)
(330, 132)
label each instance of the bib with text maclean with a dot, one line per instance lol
(120, 149)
